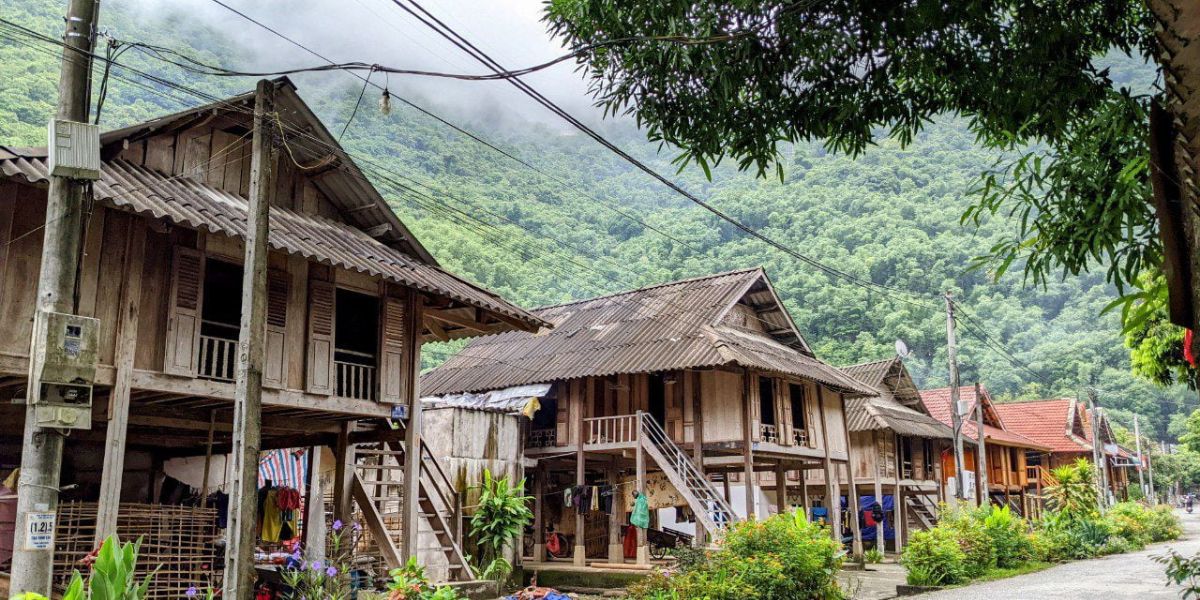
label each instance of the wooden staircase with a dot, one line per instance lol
(378, 489)
(923, 509)
(709, 506)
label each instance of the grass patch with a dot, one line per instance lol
(1025, 568)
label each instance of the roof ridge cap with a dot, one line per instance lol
(649, 287)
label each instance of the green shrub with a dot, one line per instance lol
(1117, 545)
(873, 556)
(934, 557)
(1163, 524)
(966, 525)
(1007, 536)
(782, 557)
(1131, 522)
(1074, 497)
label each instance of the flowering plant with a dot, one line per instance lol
(323, 580)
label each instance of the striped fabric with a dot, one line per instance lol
(285, 468)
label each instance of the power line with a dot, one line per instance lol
(466, 46)
(982, 335)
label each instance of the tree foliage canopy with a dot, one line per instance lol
(738, 79)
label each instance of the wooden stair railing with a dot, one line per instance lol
(709, 506)
(438, 501)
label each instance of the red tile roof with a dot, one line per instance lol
(1048, 422)
(937, 402)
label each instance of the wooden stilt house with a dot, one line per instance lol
(676, 391)
(897, 447)
(1064, 425)
(1005, 451)
(351, 296)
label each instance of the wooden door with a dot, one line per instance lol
(321, 321)
(184, 311)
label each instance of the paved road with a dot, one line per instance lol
(1133, 575)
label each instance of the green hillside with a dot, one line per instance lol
(891, 216)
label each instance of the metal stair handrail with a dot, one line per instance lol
(698, 487)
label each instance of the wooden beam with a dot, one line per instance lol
(455, 317)
(314, 509)
(852, 493)
(748, 444)
(833, 504)
(161, 382)
(109, 500)
(436, 330)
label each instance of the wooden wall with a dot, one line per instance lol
(219, 154)
(104, 271)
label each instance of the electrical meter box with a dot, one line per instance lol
(65, 350)
(73, 150)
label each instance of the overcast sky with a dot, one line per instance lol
(378, 31)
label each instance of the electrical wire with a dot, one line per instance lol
(109, 60)
(429, 20)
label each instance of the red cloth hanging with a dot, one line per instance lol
(869, 518)
(1187, 348)
(630, 542)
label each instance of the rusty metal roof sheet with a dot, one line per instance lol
(865, 414)
(664, 327)
(190, 203)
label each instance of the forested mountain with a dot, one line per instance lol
(585, 222)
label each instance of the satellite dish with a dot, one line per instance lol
(902, 349)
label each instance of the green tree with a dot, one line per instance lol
(741, 80)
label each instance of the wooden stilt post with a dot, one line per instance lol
(579, 555)
(314, 509)
(616, 552)
(41, 453)
(833, 501)
(247, 405)
(539, 512)
(804, 494)
(643, 552)
(781, 493)
(343, 473)
(900, 503)
(748, 446)
(852, 488)
(880, 542)
(208, 452)
(118, 419)
(701, 538)
(414, 429)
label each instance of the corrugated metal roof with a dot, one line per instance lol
(189, 203)
(871, 373)
(658, 328)
(885, 411)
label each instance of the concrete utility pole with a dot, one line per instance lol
(41, 454)
(981, 458)
(247, 407)
(1097, 451)
(1137, 438)
(955, 415)
(1153, 496)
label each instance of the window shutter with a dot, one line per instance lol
(751, 388)
(183, 320)
(783, 393)
(319, 379)
(674, 401)
(392, 374)
(275, 365)
(562, 422)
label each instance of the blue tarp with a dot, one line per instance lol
(865, 504)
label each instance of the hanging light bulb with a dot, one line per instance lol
(385, 102)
